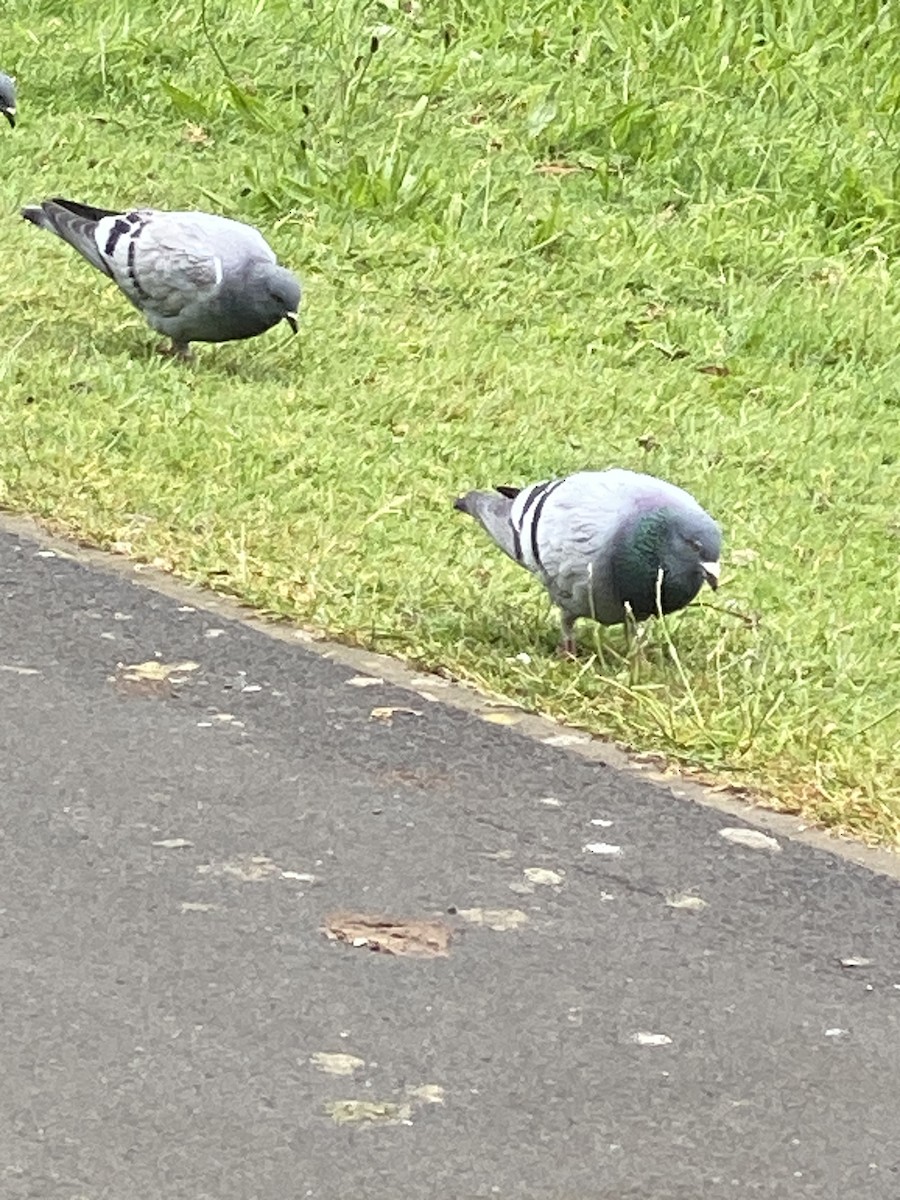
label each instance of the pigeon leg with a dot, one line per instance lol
(567, 647)
(180, 350)
(631, 628)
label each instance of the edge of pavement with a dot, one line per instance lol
(729, 799)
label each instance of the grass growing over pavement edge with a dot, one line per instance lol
(534, 238)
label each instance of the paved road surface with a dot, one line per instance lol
(161, 1007)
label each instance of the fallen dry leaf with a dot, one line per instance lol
(414, 937)
(153, 677)
(336, 1064)
(557, 168)
(500, 919)
(346, 1112)
(387, 713)
(714, 369)
(195, 134)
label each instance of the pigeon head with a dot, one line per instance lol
(8, 99)
(277, 295)
(684, 544)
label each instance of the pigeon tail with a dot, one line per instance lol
(88, 211)
(74, 223)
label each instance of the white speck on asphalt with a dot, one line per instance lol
(643, 1038)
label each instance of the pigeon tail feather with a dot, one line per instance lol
(88, 211)
(74, 223)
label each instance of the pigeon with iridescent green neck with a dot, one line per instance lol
(606, 544)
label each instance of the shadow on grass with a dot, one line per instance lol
(247, 362)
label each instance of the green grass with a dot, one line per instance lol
(523, 228)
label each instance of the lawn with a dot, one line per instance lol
(534, 237)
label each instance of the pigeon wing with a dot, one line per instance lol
(567, 535)
(163, 262)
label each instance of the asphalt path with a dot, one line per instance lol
(666, 1015)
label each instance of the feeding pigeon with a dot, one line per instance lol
(8, 99)
(194, 276)
(600, 539)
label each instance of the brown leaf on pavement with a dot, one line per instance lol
(152, 678)
(414, 937)
(387, 713)
(347, 1112)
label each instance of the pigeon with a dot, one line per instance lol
(194, 276)
(605, 544)
(8, 99)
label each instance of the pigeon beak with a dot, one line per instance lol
(711, 573)
(291, 319)
(10, 114)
